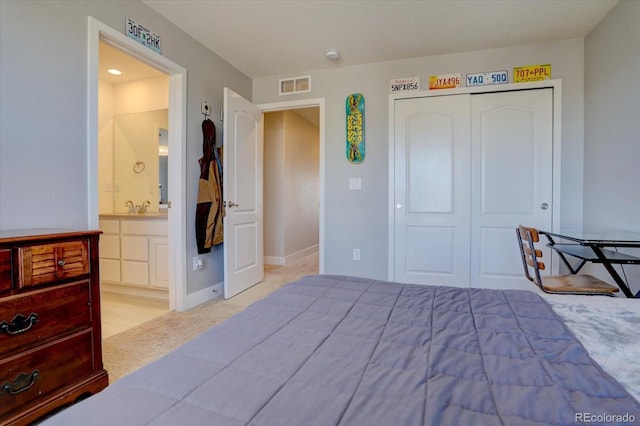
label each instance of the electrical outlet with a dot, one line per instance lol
(356, 254)
(197, 263)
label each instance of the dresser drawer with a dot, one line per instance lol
(38, 372)
(51, 262)
(5, 270)
(43, 314)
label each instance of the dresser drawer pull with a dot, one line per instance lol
(61, 262)
(19, 324)
(21, 383)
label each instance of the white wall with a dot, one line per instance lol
(301, 184)
(291, 187)
(612, 127)
(273, 189)
(106, 94)
(142, 95)
(359, 219)
(43, 112)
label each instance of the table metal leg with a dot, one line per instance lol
(612, 271)
(572, 269)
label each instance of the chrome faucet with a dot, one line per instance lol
(142, 208)
(132, 208)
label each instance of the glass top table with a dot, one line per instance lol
(596, 247)
(610, 238)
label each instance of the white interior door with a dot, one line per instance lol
(512, 171)
(432, 184)
(242, 187)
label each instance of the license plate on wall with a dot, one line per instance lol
(532, 73)
(143, 35)
(487, 78)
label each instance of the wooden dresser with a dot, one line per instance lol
(50, 338)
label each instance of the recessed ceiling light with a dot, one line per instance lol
(114, 71)
(332, 54)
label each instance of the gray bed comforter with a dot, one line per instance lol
(329, 350)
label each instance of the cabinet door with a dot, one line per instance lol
(50, 262)
(135, 248)
(159, 262)
(432, 184)
(110, 247)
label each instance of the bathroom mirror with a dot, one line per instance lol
(163, 167)
(140, 151)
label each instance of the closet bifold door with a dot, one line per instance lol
(468, 168)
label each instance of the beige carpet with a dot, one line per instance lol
(131, 349)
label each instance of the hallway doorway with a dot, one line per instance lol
(314, 106)
(291, 184)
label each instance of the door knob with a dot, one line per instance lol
(232, 204)
(544, 206)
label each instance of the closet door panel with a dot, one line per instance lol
(432, 184)
(430, 147)
(512, 165)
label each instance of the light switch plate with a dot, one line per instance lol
(355, 183)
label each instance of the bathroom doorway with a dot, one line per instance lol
(133, 102)
(171, 275)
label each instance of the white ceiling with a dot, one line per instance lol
(131, 68)
(264, 38)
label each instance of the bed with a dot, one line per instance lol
(329, 350)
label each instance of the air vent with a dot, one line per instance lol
(289, 86)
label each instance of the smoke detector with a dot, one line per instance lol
(332, 54)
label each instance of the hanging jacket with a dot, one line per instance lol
(209, 210)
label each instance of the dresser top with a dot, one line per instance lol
(34, 234)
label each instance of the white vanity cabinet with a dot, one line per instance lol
(134, 255)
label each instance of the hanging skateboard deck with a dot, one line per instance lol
(355, 128)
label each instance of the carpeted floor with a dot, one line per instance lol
(131, 349)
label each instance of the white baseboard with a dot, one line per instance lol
(131, 290)
(286, 260)
(217, 290)
(274, 260)
(212, 292)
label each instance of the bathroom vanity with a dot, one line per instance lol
(134, 254)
